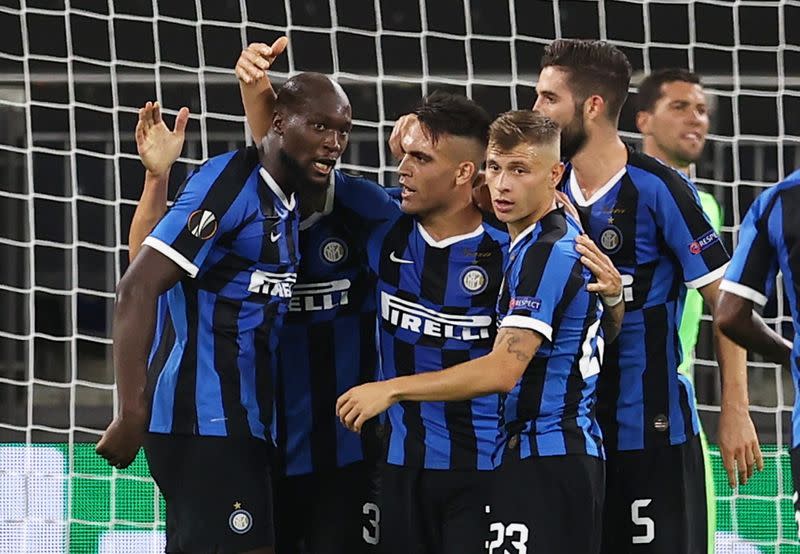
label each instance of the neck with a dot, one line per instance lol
(458, 219)
(516, 227)
(650, 148)
(312, 199)
(269, 153)
(603, 156)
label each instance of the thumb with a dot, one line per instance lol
(181, 120)
(279, 46)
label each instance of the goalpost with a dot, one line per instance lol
(73, 74)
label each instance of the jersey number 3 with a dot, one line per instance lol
(371, 531)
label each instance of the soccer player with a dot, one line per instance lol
(648, 219)
(673, 117)
(439, 271)
(545, 358)
(769, 240)
(225, 257)
(324, 475)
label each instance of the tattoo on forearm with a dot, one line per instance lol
(514, 346)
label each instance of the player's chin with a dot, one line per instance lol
(410, 207)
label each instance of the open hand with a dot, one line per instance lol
(362, 403)
(609, 281)
(158, 146)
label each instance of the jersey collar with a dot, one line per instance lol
(577, 193)
(288, 202)
(449, 241)
(520, 237)
(326, 210)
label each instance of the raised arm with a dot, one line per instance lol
(158, 149)
(258, 96)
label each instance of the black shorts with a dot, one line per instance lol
(656, 501)
(431, 511)
(332, 512)
(217, 491)
(547, 504)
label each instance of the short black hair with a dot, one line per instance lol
(650, 88)
(444, 113)
(594, 67)
(511, 129)
(299, 91)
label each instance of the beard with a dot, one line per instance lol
(573, 136)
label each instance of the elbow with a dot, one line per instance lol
(133, 291)
(506, 380)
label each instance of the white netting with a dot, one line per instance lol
(74, 73)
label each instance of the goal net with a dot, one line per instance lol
(73, 74)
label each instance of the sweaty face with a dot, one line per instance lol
(679, 122)
(522, 181)
(316, 135)
(556, 101)
(427, 171)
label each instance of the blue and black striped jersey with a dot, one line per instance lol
(436, 308)
(552, 407)
(769, 240)
(327, 344)
(234, 232)
(649, 221)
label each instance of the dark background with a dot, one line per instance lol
(71, 82)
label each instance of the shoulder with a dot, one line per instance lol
(647, 172)
(495, 233)
(556, 240)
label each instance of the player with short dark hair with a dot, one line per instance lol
(673, 117)
(204, 406)
(647, 218)
(545, 359)
(769, 241)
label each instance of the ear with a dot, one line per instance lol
(594, 106)
(277, 122)
(465, 173)
(643, 122)
(556, 173)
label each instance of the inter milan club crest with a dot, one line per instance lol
(202, 224)
(240, 520)
(474, 279)
(611, 239)
(333, 251)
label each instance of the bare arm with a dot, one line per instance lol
(495, 372)
(158, 148)
(737, 435)
(258, 96)
(150, 275)
(737, 320)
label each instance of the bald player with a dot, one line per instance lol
(197, 317)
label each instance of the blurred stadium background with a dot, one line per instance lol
(73, 74)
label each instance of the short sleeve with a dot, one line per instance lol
(367, 199)
(751, 273)
(689, 233)
(537, 285)
(208, 206)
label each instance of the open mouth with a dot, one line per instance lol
(503, 206)
(406, 192)
(323, 165)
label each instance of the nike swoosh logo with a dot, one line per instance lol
(394, 258)
(273, 237)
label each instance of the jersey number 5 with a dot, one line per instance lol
(648, 524)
